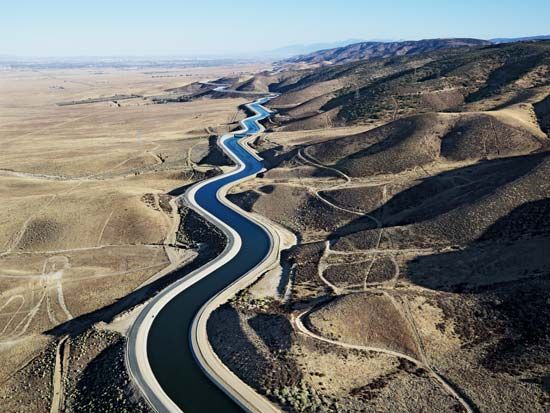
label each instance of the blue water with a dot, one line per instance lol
(168, 345)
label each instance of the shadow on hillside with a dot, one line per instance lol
(391, 135)
(274, 330)
(373, 141)
(224, 326)
(542, 111)
(506, 272)
(509, 72)
(439, 194)
(520, 97)
(97, 389)
(107, 314)
(503, 253)
(215, 155)
(269, 368)
(197, 176)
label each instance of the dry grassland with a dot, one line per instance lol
(84, 218)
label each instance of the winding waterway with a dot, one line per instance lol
(168, 346)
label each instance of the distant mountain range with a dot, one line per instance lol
(322, 53)
(380, 49)
(519, 39)
(299, 49)
(369, 50)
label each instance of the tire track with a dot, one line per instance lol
(444, 384)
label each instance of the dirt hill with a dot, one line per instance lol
(417, 188)
(379, 90)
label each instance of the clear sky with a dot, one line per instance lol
(202, 27)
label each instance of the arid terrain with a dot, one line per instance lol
(417, 189)
(412, 188)
(89, 229)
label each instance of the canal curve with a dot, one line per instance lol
(160, 358)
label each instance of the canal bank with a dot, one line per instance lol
(160, 349)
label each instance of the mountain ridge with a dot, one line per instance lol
(382, 49)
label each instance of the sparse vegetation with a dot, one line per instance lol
(417, 188)
(409, 233)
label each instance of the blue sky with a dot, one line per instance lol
(202, 27)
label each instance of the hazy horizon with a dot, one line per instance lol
(34, 29)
